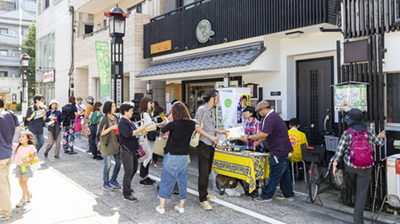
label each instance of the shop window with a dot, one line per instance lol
(3, 74)
(136, 8)
(393, 103)
(3, 31)
(88, 29)
(3, 53)
(186, 2)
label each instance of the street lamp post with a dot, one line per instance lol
(117, 31)
(24, 64)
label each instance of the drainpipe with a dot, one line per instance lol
(72, 11)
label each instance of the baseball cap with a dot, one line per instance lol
(262, 104)
(249, 108)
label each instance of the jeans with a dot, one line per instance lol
(92, 140)
(360, 179)
(39, 141)
(175, 169)
(206, 157)
(278, 173)
(107, 167)
(130, 161)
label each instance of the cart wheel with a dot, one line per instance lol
(332, 180)
(222, 192)
(314, 185)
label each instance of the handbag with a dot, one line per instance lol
(34, 164)
(85, 128)
(77, 125)
(225, 182)
(143, 152)
(159, 145)
(194, 140)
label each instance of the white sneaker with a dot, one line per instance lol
(180, 210)
(159, 210)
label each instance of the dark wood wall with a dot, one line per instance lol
(234, 20)
(365, 17)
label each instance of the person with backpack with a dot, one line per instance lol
(69, 113)
(54, 123)
(36, 117)
(357, 149)
(9, 124)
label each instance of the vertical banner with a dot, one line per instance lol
(103, 66)
(229, 102)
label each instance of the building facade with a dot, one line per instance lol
(15, 18)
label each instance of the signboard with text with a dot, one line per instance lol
(103, 67)
(48, 77)
(161, 47)
(348, 97)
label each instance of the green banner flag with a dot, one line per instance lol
(103, 66)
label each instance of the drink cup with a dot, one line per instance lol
(55, 119)
(116, 131)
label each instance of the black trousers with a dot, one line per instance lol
(144, 171)
(360, 179)
(130, 162)
(206, 157)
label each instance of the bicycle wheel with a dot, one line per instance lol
(314, 185)
(332, 180)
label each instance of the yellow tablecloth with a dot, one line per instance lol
(246, 166)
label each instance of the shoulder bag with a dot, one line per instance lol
(159, 145)
(194, 141)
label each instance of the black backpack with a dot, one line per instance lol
(67, 114)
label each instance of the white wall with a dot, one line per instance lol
(392, 44)
(60, 23)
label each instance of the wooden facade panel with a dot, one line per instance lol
(366, 17)
(234, 20)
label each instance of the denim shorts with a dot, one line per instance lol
(175, 169)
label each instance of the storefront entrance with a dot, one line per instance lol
(314, 96)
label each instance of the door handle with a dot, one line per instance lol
(326, 119)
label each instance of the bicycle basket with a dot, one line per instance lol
(313, 154)
(331, 143)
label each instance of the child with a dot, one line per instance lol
(25, 152)
(297, 138)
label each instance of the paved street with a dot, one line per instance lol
(69, 191)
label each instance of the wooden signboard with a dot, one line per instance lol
(173, 91)
(161, 47)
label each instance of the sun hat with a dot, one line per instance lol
(262, 104)
(90, 99)
(54, 101)
(79, 98)
(355, 120)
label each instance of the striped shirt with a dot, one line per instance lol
(344, 146)
(208, 123)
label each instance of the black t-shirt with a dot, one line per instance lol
(179, 136)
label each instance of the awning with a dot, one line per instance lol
(233, 57)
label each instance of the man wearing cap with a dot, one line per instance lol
(358, 177)
(54, 123)
(275, 131)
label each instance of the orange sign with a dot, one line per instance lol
(161, 47)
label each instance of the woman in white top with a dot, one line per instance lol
(145, 110)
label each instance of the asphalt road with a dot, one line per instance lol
(69, 190)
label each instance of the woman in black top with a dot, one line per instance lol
(129, 145)
(175, 163)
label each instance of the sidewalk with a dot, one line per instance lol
(83, 206)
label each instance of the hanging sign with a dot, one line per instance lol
(103, 67)
(203, 31)
(48, 77)
(229, 102)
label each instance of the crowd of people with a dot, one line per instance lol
(125, 140)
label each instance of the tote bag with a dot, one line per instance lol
(159, 145)
(85, 128)
(77, 125)
(194, 141)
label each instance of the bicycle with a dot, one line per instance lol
(318, 156)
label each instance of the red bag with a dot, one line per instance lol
(77, 125)
(85, 129)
